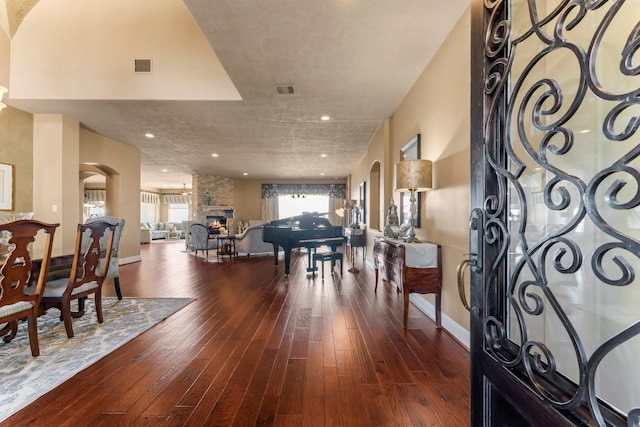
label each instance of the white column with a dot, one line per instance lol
(55, 176)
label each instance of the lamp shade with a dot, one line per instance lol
(413, 175)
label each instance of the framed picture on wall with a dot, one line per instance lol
(6, 187)
(410, 151)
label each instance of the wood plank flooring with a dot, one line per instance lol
(259, 348)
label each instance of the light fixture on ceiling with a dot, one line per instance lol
(184, 190)
(214, 155)
(149, 135)
(3, 90)
(413, 176)
(245, 173)
(325, 118)
(323, 155)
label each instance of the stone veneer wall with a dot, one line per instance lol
(221, 187)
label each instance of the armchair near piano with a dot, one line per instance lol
(250, 241)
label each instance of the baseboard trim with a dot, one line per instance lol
(453, 328)
(129, 260)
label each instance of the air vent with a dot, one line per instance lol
(285, 89)
(142, 65)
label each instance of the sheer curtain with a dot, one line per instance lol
(270, 209)
(335, 203)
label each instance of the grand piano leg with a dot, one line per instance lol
(275, 253)
(287, 261)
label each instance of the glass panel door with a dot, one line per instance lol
(560, 299)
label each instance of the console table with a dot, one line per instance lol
(413, 267)
(356, 238)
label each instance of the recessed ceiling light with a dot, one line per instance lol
(149, 135)
(214, 155)
(323, 155)
(164, 170)
(245, 173)
(325, 118)
(322, 173)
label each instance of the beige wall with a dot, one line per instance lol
(123, 184)
(16, 148)
(247, 199)
(437, 107)
(5, 55)
(54, 34)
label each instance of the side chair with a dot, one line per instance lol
(87, 273)
(200, 239)
(114, 263)
(16, 302)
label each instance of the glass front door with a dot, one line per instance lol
(556, 184)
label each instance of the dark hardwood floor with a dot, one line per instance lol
(259, 348)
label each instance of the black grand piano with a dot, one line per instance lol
(310, 230)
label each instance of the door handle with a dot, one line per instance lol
(461, 291)
(475, 256)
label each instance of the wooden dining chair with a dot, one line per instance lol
(114, 263)
(16, 302)
(88, 272)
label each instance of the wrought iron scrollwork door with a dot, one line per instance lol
(555, 292)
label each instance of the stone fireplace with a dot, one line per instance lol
(220, 215)
(213, 200)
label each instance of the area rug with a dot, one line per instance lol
(24, 378)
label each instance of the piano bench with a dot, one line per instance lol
(332, 256)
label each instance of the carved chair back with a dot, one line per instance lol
(16, 301)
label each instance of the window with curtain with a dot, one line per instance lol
(178, 212)
(149, 206)
(291, 206)
(272, 193)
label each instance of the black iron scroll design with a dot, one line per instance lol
(535, 100)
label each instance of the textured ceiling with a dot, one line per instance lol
(353, 60)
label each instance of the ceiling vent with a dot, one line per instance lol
(142, 65)
(285, 89)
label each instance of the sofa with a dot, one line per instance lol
(160, 230)
(250, 241)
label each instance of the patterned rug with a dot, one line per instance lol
(61, 358)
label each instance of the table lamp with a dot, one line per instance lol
(345, 212)
(413, 176)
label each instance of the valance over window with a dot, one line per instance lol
(149, 197)
(95, 195)
(176, 199)
(337, 191)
